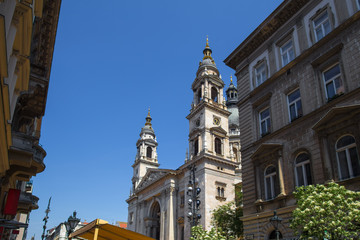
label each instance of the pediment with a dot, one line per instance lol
(335, 116)
(266, 150)
(152, 176)
(219, 130)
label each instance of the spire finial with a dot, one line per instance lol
(230, 78)
(148, 118)
(207, 51)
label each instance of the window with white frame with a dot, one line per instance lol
(260, 74)
(321, 25)
(287, 52)
(270, 179)
(303, 170)
(294, 103)
(264, 121)
(347, 157)
(332, 81)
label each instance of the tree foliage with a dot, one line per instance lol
(226, 218)
(198, 233)
(327, 212)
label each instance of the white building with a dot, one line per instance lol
(158, 204)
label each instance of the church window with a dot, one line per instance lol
(182, 200)
(217, 145)
(235, 154)
(196, 147)
(214, 94)
(149, 152)
(131, 217)
(220, 192)
(199, 97)
(347, 157)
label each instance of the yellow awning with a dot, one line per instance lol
(101, 230)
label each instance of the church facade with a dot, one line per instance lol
(158, 205)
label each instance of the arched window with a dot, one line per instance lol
(273, 236)
(214, 94)
(217, 145)
(347, 157)
(222, 193)
(199, 96)
(149, 152)
(270, 179)
(303, 170)
(196, 146)
(235, 154)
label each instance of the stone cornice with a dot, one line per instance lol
(155, 164)
(204, 104)
(269, 26)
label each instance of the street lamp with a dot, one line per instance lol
(194, 194)
(275, 221)
(71, 223)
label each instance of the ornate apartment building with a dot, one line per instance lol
(158, 204)
(298, 78)
(27, 37)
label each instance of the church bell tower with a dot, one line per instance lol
(146, 155)
(208, 118)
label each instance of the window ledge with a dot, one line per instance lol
(221, 199)
(334, 97)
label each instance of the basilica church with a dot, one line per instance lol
(158, 205)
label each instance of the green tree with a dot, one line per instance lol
(326, 212)
(198, 233)
(226, 218)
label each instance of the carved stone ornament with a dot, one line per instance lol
(151, 178)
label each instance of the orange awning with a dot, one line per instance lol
(101, 230)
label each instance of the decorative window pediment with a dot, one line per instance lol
(335, 116)
(267, 150)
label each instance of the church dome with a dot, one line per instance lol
(234, 117)
(147, 129)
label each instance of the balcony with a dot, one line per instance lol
(27, 202)
(26, 156)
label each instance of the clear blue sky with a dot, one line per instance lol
(112, 60)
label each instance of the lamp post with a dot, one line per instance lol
(194, 194)
(275, 221)
(71, 223)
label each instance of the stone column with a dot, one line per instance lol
(327, 163)
(170, 215)
(281, 177)
(258, 185)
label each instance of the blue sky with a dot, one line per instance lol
(112, 61)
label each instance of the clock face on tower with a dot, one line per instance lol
(216, 121)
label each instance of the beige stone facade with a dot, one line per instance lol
(158, 204)
(299, 106)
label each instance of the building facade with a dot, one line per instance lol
(298, 78)
(159, 201)
(27, 37)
